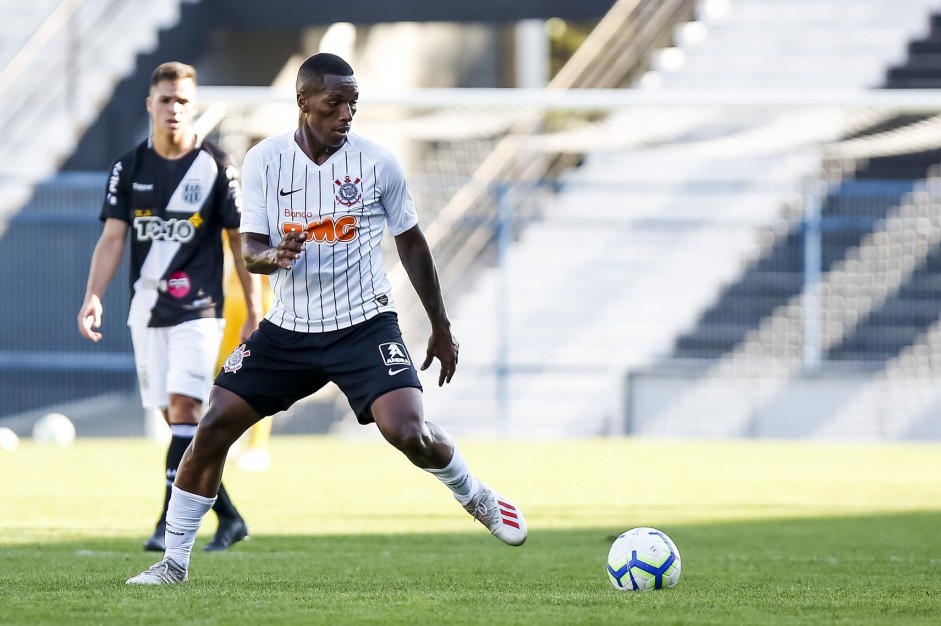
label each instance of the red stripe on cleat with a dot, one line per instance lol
(509, 514)
(511, 523)
(506, 505)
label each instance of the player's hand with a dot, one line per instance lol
(443, 345)
(89, 318)
(289, 249)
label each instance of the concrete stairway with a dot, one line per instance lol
(61, 66)
(643, 237)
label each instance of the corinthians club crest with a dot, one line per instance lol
(234, 362)
(348, 193)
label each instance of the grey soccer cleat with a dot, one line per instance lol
(499, 515)
(163, 572)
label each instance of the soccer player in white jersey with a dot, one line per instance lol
(316, 202)
(174, 194)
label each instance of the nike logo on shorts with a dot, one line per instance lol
(393, 372)
(287, 193)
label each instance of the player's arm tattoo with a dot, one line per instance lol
(261, 258)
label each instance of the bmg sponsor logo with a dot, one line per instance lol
(328, 230)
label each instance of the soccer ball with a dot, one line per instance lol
(8, 439)
(54, 429)
(643, 558)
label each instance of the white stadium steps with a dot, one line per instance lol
(41, 135)
(597, 287)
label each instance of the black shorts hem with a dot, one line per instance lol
(262, 411)
(365, 418)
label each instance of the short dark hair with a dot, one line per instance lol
(320, 65)
(173, 71)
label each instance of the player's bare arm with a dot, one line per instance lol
(419, 264)
(104, 265)
(251, 286)
(261, 258)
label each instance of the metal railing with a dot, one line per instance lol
(612, 53)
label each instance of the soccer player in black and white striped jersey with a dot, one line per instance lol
(316, 203)
(174, 194)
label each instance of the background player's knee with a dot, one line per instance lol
(183, 410)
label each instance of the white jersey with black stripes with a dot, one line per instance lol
(343, 206)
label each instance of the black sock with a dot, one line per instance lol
(178, 445)
(223, 506)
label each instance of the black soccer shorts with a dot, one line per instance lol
(276, 367)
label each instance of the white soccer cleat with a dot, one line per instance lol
(163, 572)
(499, 515)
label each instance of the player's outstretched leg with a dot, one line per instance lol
(496, 512)
(398, 414)
(499, 515)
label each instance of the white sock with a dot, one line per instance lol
(183, 430)
(457, 477)
(184, 515)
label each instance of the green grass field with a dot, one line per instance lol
(347, 532)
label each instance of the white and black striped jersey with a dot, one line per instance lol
(176, 210)
(344, 206)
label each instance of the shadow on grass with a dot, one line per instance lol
(875, 569)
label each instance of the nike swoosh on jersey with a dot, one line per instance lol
(393, 372)
(287, 193)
